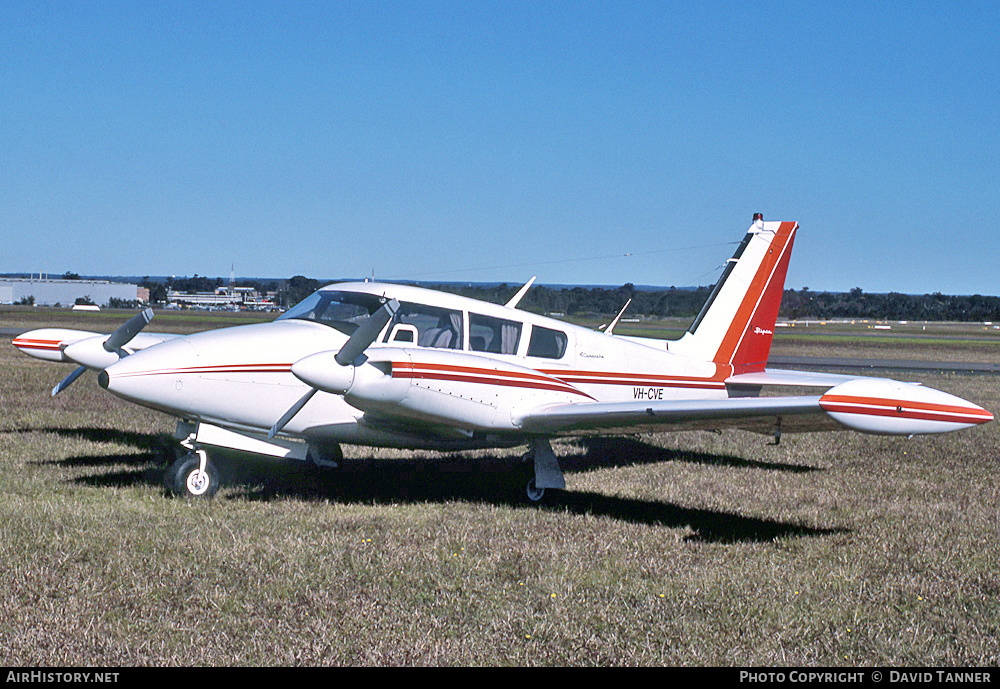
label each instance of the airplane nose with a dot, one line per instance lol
(150, 376)
(223, 374)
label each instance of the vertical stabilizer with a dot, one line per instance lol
(736, 325)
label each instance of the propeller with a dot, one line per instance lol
(113, 344)
(68, 380)
(362, 338)
(125, 332)
(351, 355)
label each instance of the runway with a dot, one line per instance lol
(823, 363)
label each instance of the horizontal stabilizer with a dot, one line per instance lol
(779, 377)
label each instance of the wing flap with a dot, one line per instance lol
(797, 413)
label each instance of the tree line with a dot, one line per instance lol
(891, 306)
(795, 304)
(669, 302)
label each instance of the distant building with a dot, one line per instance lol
(48, 292)
(222, 298)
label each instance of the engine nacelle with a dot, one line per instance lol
(322, 372)
(473, 392)
(48, 343)
(436, 386)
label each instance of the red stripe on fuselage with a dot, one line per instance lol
(640, 379)
(543, 379)
(228, 368)
(484, 376)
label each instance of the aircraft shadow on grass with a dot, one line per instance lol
(487, 478)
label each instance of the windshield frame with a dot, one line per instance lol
(343, 311)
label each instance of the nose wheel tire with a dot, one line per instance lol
(186, 478)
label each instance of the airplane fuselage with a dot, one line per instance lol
(241, 377)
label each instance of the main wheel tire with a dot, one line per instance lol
(533, 492)
(170, 474)
(185, 478)
(326, 455)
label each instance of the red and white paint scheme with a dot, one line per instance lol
(396, 365)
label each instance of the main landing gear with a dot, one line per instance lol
(546, 471)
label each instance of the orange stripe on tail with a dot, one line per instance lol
(747, 343)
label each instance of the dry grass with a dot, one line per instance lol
(686, 549)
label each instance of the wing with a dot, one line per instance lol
(789, 378)
(51, 343)
(871, 405)
(762, 414)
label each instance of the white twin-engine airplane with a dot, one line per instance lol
(401, 366)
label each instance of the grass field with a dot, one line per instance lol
(684, 549)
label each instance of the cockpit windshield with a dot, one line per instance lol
(344, 311)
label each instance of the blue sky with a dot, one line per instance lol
(582, 142)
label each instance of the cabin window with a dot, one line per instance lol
(494, 335)
(546, 343)
(344, 311)
(436, 327)
(403, 333)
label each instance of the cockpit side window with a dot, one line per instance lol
(495, 335)
(344, 311)
(547, 343)
(436, 327)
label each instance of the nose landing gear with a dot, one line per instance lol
(192, 475)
